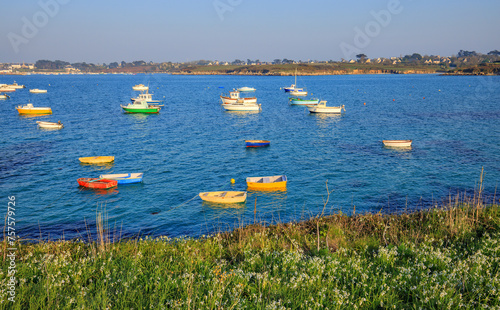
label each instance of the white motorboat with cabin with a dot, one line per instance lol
(234, 96)
(322, 108)
(241, 105)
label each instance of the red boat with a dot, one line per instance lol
(97, 183)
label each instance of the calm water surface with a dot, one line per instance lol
(192, 145)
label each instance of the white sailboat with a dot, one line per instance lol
(293, 87)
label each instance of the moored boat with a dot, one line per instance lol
(224, 196)
(234, 96)
(241, 105)
(145, 96)
(293, 87)
(50, 125)
(3, 96)
(322, 108)
(38, 91)
(300, 101)
(276, 182)
(16, 86)
(96, 159)
(97, 183)
(397, 143)
(298, 92)
(123, 178)
(6, 89)
(30, 109)
(141, 106)
(140, 87)
(257, 143)
(246, 89)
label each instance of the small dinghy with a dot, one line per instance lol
(50, 125)
(97, 183)
(224, 197)
(276, 182)
(96, 159)
(123, 178)
(397, 143)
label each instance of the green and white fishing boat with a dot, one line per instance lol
(141, 106)
(300, 101)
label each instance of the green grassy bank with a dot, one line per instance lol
(443, 258)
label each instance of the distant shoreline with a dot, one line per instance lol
(290, 70)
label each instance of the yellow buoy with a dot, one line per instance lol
(232, 181)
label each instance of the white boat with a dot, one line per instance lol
(248, 89)
(145, 96)
(241, 105)
(3, 96)
(16, 86)
(50, 125)
(123, 178)
(234, 96)
(140, 87)
(298, 92)
(293, 87)
(6, 89)
(38, 91)
(397, 143)
(322, 108)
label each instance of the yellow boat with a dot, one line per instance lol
(276, 182)
(30, 109)
(224, 197)
(96, 159)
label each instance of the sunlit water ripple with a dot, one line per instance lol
(192, 145)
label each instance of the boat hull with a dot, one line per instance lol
(298, 93)
(49, 125)
(38, 91)
(96, 159)
(21, 110)
(123, 178)
(97, 183)
(151, 110)
(333, 110)
(228, 100)
(224, 196)
(397, 143)
(257, 143)
(241, 107)
(269, 183)
(297, 101)
(246, 89)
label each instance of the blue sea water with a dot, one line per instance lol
(193, 145)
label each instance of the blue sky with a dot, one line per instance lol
(167, 30)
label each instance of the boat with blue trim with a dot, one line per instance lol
(257, 143)
(123, 178)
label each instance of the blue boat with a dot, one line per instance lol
(256, 143)
(299, 101)
(123, 178)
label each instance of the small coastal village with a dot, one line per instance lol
(463, 63)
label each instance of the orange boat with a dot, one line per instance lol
(97, 183)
